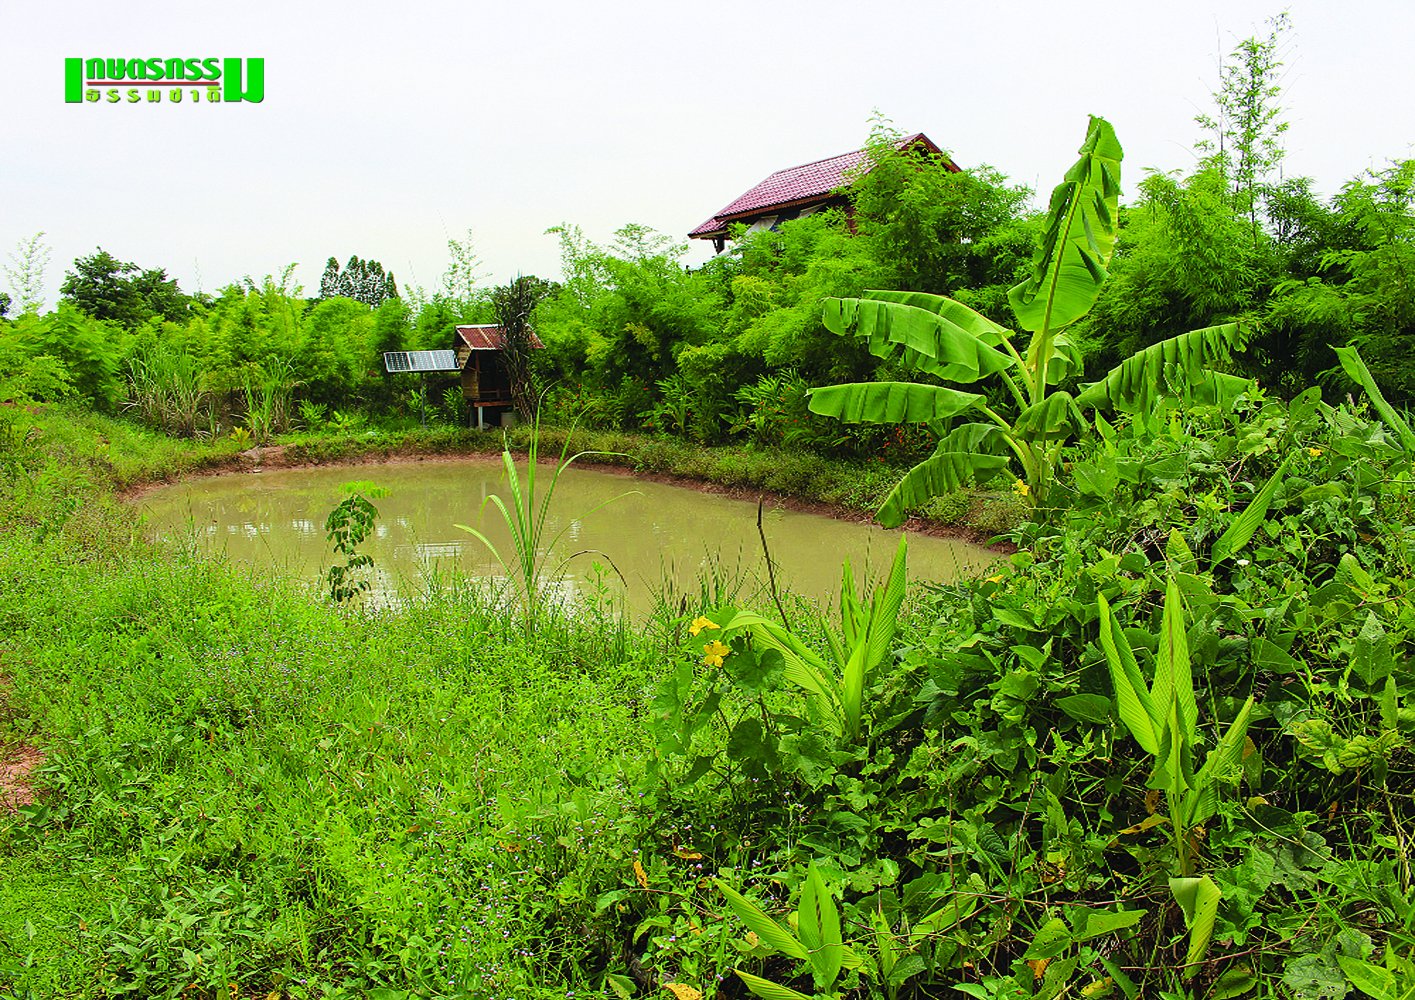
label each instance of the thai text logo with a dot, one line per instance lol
(130, 81)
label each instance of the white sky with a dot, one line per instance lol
(386, 128)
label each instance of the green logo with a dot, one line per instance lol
(115, 81)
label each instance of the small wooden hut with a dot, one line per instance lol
(485, 380)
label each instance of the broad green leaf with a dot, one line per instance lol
(961, 456)
(772, 934)
(939, 343)
(884, 610)
(1355, 366)
(1373, 660)
(1089, 923)
(1174, 675)
(852, 689)
(1098, 477)
(1220, 388)
(954, 911)
(1199, 899)
(1241, 530)
(803, 667)
(1053, 938)
(1086, 707)
(1390, 705)
(890, 402)
(1137, 382)
(885, 946)
(1225, 758)
(768, 990)
(1118, 976)
(818, 920)
(1132, 696)
(1069, 265)
(1178, 553)
(622, 986)
(1373, 980)
(1234, 983)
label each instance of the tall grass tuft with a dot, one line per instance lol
(167, 391)
(528, 567)
(268, 401)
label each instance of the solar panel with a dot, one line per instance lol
(420, 361)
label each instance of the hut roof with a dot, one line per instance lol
(488, 337)
(797, 185)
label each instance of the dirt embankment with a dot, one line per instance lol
(17, 764)
(279, 457)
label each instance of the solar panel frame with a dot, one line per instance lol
(414, 362)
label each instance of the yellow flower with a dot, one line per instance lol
(995, 579)
(640, 874)
(713, 652)
(1021, 488)
(702, 623)
(682, 992)
(1315, 452)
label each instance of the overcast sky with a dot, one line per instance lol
(389, 127)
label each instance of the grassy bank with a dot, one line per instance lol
(244, 787)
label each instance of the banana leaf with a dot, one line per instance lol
(1055, 417)
(955, 312)
(946, 343)
(890, 402)
(1063, 360)
(1137, 382)
(959, 457)
(1069, 266)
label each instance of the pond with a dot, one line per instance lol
(661, 539)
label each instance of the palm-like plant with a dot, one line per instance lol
(940, 337)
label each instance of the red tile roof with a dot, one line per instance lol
(488, 337)
(797, 185)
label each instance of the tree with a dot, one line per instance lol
(392, 330)
(1352, 282)
(935, 229)
(25, 272)
(5, 303)
(361, 280)
(459, 281)
(107, 288)
(514, 304)
(1247, 124)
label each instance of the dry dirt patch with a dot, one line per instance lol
(17, 763)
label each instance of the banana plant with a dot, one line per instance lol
(1163, 719)
(941, 338)
(836, 684)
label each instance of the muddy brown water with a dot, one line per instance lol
(661, 538)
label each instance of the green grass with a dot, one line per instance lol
(291, 795)
(245, 786)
